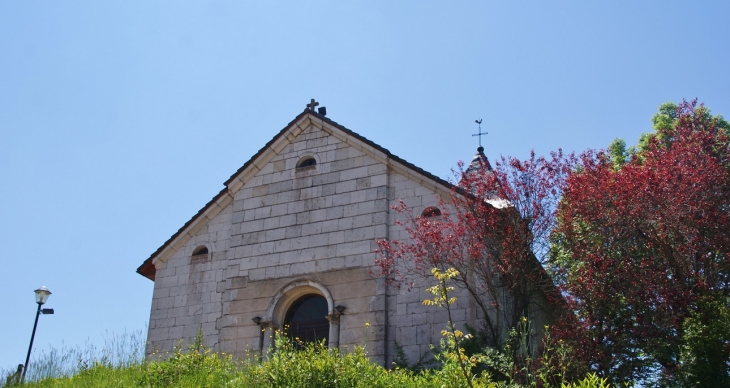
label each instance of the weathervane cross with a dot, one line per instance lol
(480, 134)
(312, 104)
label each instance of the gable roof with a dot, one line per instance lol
(147, 269)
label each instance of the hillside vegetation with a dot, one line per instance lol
(313, 366)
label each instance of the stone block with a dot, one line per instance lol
(310, 192)
(289, 257)
(299, 243)
(269, 200)
(353, 173)
(350, 210)
(336, 237)
(158, 334)
(353, 248)
(269, 260)
(165, 303)
(316, 142)
(279, 165)
(177, 312)
(248, 263)
(262, 212)
(340, 199)
(353, 261)
(282, 245)
(344, 223)
(366, 233)
(335, 263)
(289, 196)
(314, 204)
(358, 196)
(263, 248)
(279, 210)
(252, 226)
(363, 183)
(342, 164)
(302, 268)
(330, 226)
(323, 179)
(329, 189)
(293, 231)
(317, 240)
(362, 221)
(278, 187)
(344, 187)
(309, 229)
(342, 153)
(249, 214)
(318, 215)
(180, 301)
(239, 281)
(302, 218)
(335, 212)
(275, 234)
(257, 274)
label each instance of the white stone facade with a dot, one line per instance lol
(277, 232)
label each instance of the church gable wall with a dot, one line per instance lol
(317, 223)
(314, 224)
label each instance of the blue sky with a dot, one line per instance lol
(120, 119)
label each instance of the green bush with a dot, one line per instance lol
(313, 365)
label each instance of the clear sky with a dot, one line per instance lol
(120, 119)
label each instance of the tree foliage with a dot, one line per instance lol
(642, 248)
(494, 230)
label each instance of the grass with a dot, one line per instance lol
(120, 364)
(119, 351)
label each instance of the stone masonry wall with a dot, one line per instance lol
(186, 297)
(285, 224)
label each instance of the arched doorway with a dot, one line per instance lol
(285, 307)
(307, 320)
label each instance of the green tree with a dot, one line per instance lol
(664, 122)
(643, 252)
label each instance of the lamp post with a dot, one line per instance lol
(41, 296)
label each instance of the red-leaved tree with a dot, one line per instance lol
(644, 246)
(494, 229)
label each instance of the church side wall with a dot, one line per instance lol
(412, 325)
(187, 297)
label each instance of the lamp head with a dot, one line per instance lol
(340, 308)
(41, 295)
(256, 320)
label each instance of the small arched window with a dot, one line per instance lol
(431, 211)
(200, 254)
(307, 161)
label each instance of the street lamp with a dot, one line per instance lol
(41, 296)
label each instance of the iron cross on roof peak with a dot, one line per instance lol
(312, 105)
(480, 134)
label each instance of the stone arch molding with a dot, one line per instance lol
(287, 295)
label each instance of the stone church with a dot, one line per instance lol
(290, 240)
